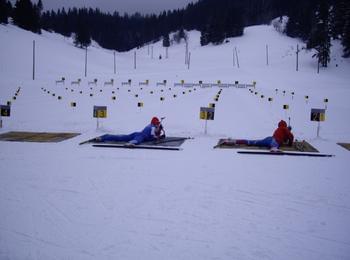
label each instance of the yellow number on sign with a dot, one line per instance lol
(203, 115)
(322, 117)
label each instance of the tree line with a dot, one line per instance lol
(316, 22)
(25, 14)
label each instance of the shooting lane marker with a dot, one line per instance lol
(325, 103)
(206, 113)
(99, 112)
(5, 111)
(318, 115)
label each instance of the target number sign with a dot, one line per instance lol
(207, 113)
(100, 111)
(5, 110)
(318, 115)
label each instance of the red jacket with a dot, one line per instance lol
(282, 134)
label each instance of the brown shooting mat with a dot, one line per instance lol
(40, 137)
(345, 145)
(298, 146)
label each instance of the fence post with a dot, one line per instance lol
(115, 67)
(135, 59)
(233, 57)
(85, 61)
(33, 59)
(297, 65)
(237, 57)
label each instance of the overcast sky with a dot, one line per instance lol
(121, 6)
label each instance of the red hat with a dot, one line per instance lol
(155, 121)
(282, 123)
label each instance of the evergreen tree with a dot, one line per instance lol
(204, 39)
(65, 28)
(4, 11)
(40, 6)
(179, 35)
(27, 16)
(320, 38)
(9, 9)
(36, 16)
(82, 35)
(233, 23)
(337, 19)
(166, 40)
(216, 32)
(300, 15)
(346, 33)
(182, 34)
(215, 19)
(20, 13)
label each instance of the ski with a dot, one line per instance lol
(160, 141)
(170, 139)
(286, 153)
(138, 146)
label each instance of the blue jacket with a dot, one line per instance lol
(149, 132)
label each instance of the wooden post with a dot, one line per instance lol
(189, 60)
(237, 57)
(135, 59)
(233, 57)
(186, 53)
(33, 60)
(297, 65)
(85, 61)
(267, 55)
(115, 66)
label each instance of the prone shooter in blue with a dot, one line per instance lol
(152, 132)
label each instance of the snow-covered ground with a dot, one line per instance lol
(65, 201)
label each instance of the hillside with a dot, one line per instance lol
(65, 201)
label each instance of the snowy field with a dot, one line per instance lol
(65, 201)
